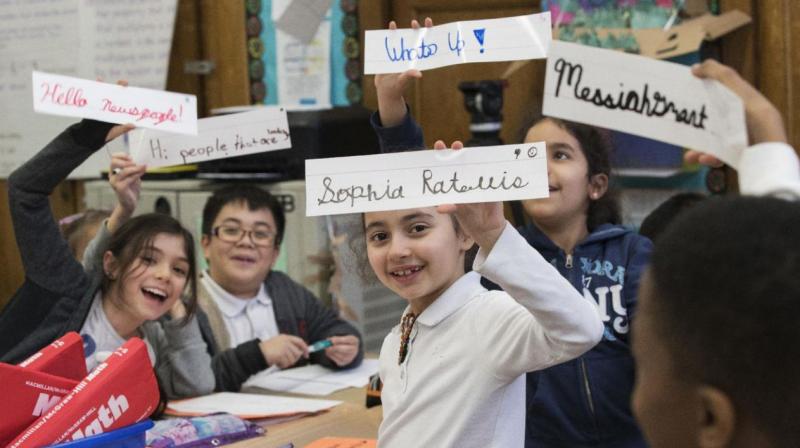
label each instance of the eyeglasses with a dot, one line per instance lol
(233, 234)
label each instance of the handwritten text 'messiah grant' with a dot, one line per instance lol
(644, 101)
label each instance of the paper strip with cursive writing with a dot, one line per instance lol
(261, 130)
(425, 178)
(638, 95)
(145, 108)
(508, 39)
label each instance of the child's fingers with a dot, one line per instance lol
(392, 25)
(428, 22)
(457, 145)
(439, 144)
(414, 24)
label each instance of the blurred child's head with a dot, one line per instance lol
(716, 337)
(242, 232)
(80, 229)
(578, 171)
(148, 264)
(417, 253)
(657, 221)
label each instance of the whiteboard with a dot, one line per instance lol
(110, 39)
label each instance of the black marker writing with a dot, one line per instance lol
(201, 151)
(454, 184)
(642, 103)
(333, 195)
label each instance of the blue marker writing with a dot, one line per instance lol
(319, 345)
(480, 34)
(424, 51)
(459, 43)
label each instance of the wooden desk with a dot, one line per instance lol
(349, 419)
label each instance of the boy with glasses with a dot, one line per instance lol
(256, 318)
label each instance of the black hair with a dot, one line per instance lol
(657, 220)
(254, 198)
(136, 236)
(726, 302)
(595, 144)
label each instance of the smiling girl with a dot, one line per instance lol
(147, 273)
(453, 371)
(586, 401)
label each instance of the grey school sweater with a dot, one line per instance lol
(57, 294)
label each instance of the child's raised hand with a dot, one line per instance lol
(764, 121)
(125, 178)
(391, 87)
(483, 222)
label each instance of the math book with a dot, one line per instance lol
(119, 392)
(64, 358)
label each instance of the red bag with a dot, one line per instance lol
(27, 395)
(64, 358)
(119, 392)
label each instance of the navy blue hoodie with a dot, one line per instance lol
(584, 402)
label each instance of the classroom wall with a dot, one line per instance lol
(767, 53)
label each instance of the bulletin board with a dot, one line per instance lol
(319, 72)
(108, 39)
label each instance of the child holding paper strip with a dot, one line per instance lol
(586, 401)
(707, 346)
(146, 267)
(453, 370)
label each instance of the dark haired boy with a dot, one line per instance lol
(657, 220)
(257, 318)
(716, 340)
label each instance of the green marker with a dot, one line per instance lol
(319, 345)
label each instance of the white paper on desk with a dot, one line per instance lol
(250, 405)
(147, 108)
(507, 39)
(314, 379)
(425, 178)
(633, 94)
(260, 130)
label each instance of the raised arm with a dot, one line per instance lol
(770, 165)
(553, 325)
(125, 178)
(44, 251)
(393, 124)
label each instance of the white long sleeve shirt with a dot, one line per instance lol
(462, 383)
(770, 169)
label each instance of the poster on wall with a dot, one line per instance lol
(90, 39)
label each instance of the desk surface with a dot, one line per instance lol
(349, 419)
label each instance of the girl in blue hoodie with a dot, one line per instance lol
(584, 402)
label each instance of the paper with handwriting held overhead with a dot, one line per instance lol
(643, 96)
(507, 39)
(261, 130)
(425, 178)
(147, 108)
